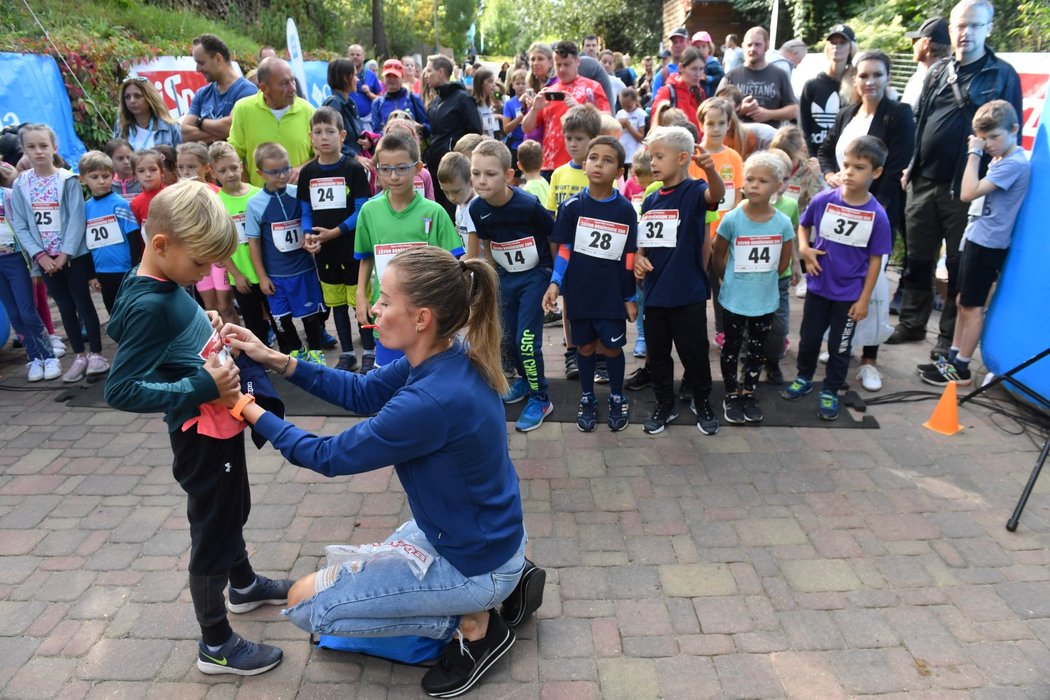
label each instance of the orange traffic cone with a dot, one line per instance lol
(945, 418)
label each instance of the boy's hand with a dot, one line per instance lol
(214, 319)
(239, 339)
(632, 310)
(361, 309)
(904, 178)
(796, 273)
(642, 267)
(811, 255)
(266, 286)
(227, 378)
(703, 159)
(833, 179)
(95, 285)
(975, 143)
(859, 311)
(241, 282)
(312, 243)
(550, 298)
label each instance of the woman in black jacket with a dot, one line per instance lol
(453, 113)
(874, 113)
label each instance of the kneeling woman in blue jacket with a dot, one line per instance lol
(440, 421)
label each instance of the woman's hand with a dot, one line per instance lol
(243, 340)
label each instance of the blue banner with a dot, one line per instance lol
(316, 82)
(31, 90)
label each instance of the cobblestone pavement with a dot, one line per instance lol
(759, 563)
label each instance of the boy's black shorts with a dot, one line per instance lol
(978, 270)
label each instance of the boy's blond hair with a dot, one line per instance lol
(219, 150)
(495, 149)
(93, 161)
(674, 136)
(453, 168)
(530, 156)
(790, 140)
(189, 213)
(582, 118)
(467, 143)
(642, 163)
(610, 126)
(271, 150)
(194, 148)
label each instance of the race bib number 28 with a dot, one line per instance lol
(600, 239)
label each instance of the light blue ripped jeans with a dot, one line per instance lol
(385, 599)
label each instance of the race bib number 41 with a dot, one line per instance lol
(600, 239)
(756, 253)
(287, 235)
(847, 225)
(658, 229)
(103, 231)
(516, 256)
(327, 193)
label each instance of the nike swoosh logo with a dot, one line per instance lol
(618, 338)
(485, 216)
(221, 662)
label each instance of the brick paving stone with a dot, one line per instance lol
(865, 671)
(687, 678)
(864, 628)
(1029, 600)
(124, 659)
(696, 580)
(807, 676)
(820, 575)
(628, 678)
(1004, 663)
(40, 678)
(811, 630)
(723, 615)
(748, 676)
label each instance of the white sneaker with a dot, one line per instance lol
(823, 357)
(869, 377)
(800, 289)
(96, 364)
(76, 370)
(57, 346)
(52, 368)
(36, 370)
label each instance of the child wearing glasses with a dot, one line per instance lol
(397, 219)
(287, 272)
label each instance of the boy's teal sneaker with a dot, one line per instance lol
(587, 416)
(797, 389)
(538, 408)
(828, 409)
(238, 656)
(265, 591)
(619, 413)
(316, 357)
(517, 391)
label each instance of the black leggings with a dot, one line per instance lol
(110, 283)
(69, 288)
(254, 308)
(737, 327)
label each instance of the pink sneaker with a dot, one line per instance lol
(720, 339)
(76, 371)
(96, 364)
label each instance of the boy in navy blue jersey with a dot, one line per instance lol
(332, 189)
(111, 230)
(673, 250)
(596, 231)
(517, 229)
(287, 273)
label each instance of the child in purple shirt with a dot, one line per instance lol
(842, 236)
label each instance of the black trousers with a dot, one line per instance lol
(110, 283)
(253, 307)
(686, 328)
(214, 475)
(69, 288)
(821, 314)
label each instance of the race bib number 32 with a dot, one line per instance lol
(327, 193)
(600, 239)
(658, 229)
(847, 225)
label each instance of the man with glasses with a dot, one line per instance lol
(209, 116)
(274, 114)
(953, 90)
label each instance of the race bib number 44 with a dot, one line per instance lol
(658, 229)
(516, 256)
(600, 239)
(287, 235)
(847, 225)
(103, 231)
(327, 193)
(756, 253)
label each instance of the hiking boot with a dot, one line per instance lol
(538, 407)
(733, 409)
(463, 663)
(659, 418)
(903, 334)
(639, 379)
(619, 413)
(265, 591)
(587, 416)
(238, 656)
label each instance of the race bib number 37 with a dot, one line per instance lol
(658, 229)
(600, 239)
(847, 225)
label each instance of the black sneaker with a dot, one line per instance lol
(463, 663)
(368, 363)
(773, 374)
(527, 596)
(238, 656)
(658, 420)
(571, 370)
(552, 318)
(347, 362)
(587, 416)
(619, 413)
(601, 372)
(732, 409)
(639, 379)
(706, 420)
(752, 411)
(266, 591)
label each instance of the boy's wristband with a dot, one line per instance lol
(975, 152)
(239, 406)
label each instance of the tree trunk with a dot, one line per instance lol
(378, 30)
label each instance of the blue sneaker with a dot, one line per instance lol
(238, 656)
(316, 357)
(517, 391)
(619, 413)
(266, 591)
(639, 348)
(327, 341)
(587, 416)
(828, 409)
(271, 338)
(538, 408)
(797, 389)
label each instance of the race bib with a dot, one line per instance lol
(418, 186)
(600, 239)
(793, 191)
(636, 201)
(47, 219)
(103, 231)
(215, 345)
(385, 252)
(7, 234)
(238, 222)
(327, 193)
(516, 256)
(977, 209)
(756, 253)
(287, 235)
(729, 198)
(658, 229)
(847, 225)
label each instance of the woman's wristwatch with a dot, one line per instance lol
(240, 405)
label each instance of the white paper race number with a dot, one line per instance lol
(756, 253)
(385, 252)
(287, 235)
(729, 199)
(516, 256)
(46, 217)
(658, 229)
(327, 193)
(103, 231)
(238, 222)
(847, 225)
(600, 239)
(793, 191)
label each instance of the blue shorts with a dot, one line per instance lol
(612, 334)
(298, 295)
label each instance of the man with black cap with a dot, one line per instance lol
(768, 95)
(679, 40)
(929, 44)
(951, 93)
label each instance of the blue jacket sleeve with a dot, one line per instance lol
(350, 223)
(306, 215)
(421, 112)
(360, 393)
(376, 118)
